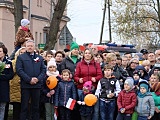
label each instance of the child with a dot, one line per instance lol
(126, 101)
(48, 56)
(49, 94)
(137, 79)
(145, 107)
(65, 90)
(107, 89)
(85, 111)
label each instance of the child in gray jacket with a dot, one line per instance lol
(146, 106)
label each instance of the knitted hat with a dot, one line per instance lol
(133, 60)
(88, 85)
(145, 86)
(129, 81)
(24, 22)
(74, 45)
(51, 63)
(137, 72)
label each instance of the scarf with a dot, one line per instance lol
(87, 61)
(142, 95)
(24, 28)
(74, 58)
(52, 73)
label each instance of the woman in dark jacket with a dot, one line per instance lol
(5, 75)
(71, 60)
(133, 63)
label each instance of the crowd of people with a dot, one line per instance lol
(126, 87)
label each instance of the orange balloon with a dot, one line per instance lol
(51, 82)
(90, 99)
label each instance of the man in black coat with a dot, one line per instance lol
(31, 69)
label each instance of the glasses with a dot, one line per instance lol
(134, 63)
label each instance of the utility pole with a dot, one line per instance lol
(109, 22)
(103, 19)
(29, 12)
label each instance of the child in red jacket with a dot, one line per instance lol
(126, 100)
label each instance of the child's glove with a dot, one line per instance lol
(48, 95)
(149, 117)
(52, 92)
(79, 102)
(83, 103)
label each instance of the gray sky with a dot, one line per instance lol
(86, 20)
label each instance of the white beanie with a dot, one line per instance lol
(24, 22)
(51, 63)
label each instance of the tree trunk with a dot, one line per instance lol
(18, 13)
(55, 23)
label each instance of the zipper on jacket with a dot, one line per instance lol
(141, 106)
(65, 93)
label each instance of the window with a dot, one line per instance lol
(40, 38)
(38, 3)
(44, 37)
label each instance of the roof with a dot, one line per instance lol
(39, 17)
(9, 4)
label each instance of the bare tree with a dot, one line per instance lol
(55, 23)
(139, 22)
(18, 13)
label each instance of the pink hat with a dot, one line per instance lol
(88, 85)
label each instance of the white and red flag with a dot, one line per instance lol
(71, 103)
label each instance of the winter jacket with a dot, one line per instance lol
(27, 67)
(15, 91)
(145, 106)
(156, 100)
(45, 90)
(119, 73)
(84, 109)
(127, 100)
(106, 86)
(67, 63)
(64, 91)
(87, 71)
(5, 76)
(130, 71)
(21, 36)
